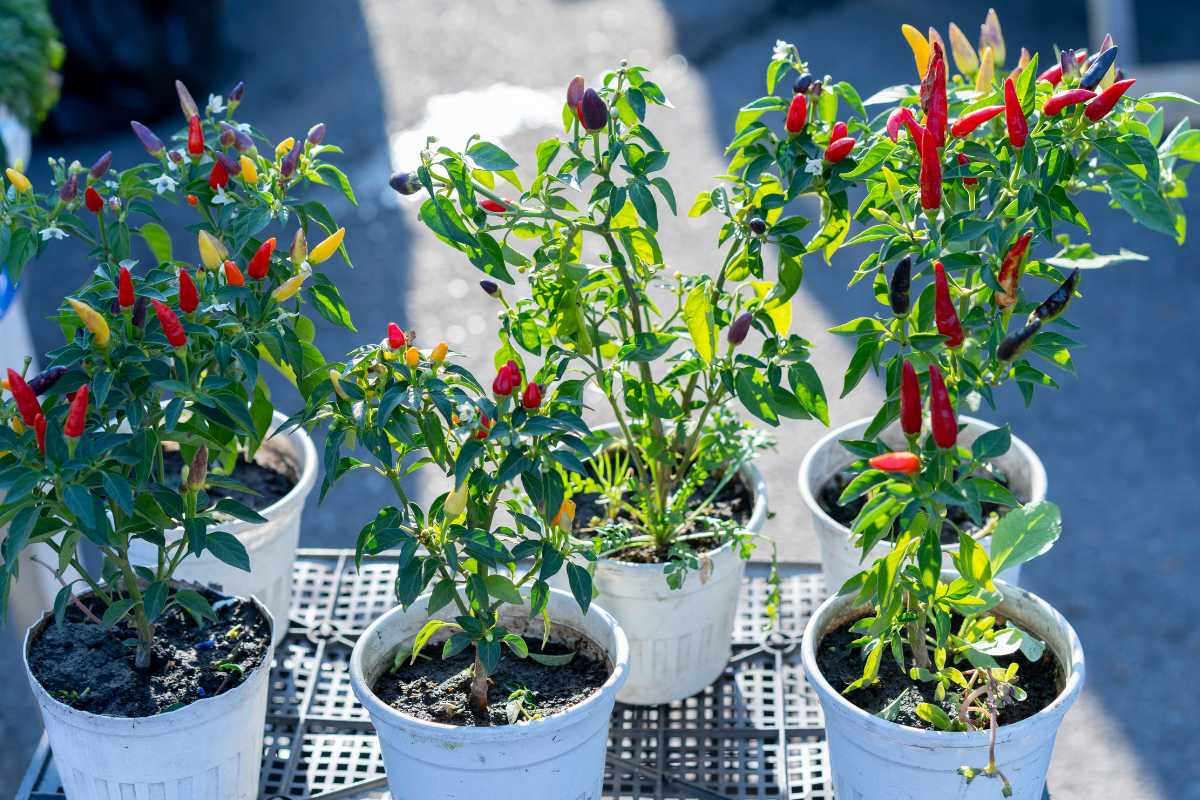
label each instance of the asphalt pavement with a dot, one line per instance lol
(1118, 440)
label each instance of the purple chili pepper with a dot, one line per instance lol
(228, 135)
(316, 134)
(231, 166)
(405, 182)
(152, 143)
(100, 168)
(288, 165)
(740, 327)
(139, 312)
(70, 188)
(242, 141)
(236, 94)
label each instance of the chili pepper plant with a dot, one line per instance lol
(668, 351)
(165, 356)
(413, 409)
(968, 186)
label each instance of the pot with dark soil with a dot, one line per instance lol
(675, 596)
(276, 484)
(825, 472)
(192, 719)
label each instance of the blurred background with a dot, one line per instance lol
(1118, 440)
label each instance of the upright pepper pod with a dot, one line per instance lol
(438, 354)
(218, 176)
(335, 380)
(1054, 74)
(186, 103)
(1104, 102)
(287, 289)
(1010, 271)
(18, 180)
(212, 250)
(931, 173)
(189, 298)
(316, 134)
(152, 143)
(396, 338)
(531, 398)
(26, 400)
(919, 45)
(1053, 306)
(899, 286)
(327, 247)
(249, 170)
(967, 123)
(936, 110)
(502, 384)
(69, 189)
(92, 320)
(172, 327)
(260, 262)
(797, 114)
(902, 462)
(233, 275)
(942, 421)
(739, 328)
(965, 57)
(100, 167)
(991, 36)
(840, 130)
(910, 400)
(987, 71)
(195, 137)
(1014, 117)
(299, 251)
(92, 200)
(287, 167)
(944, 313)
(565, 516)
(125, 296)
(592, 111)
(1016, 343)
(575, 91)
(76, 415)
(1095, 69)
(412, 357)
(456, 502)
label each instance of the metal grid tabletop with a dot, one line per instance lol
(757, 732)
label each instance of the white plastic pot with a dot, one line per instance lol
(679, 640)
(558, 756)
(209, 749)
(270, 545)
(840, 559)
(873, 759)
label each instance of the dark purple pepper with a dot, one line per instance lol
(70, 188)
(237, 93)
(740, 327)
(491, 287)
(139, 312)
(186, 103)
(288, 166)
(898, 288)
(316, 134)
(228, 135)
(1053, 306)
(593, 113)
(100, 168)
(243, 142)
(1096, 67)
(405, 182)
(1014, 344)
(40, 384)
(175, 156)
(757, 226)
(114, 308)
(575, 91)
(1069, 64)
(815, 89)
(803, 83)
(152, 143)
(231, 165)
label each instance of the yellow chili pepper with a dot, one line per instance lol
(212, 251)
(935, 38)
(289, 287)
(93, 320)
(455, 503)
(565, 515)
(965, 57)
(336, 380)
(920, 47)
(299, 250)
(987, 71)
(327, 247)
(19, 181)
(439, 353)
(16, 424)
(249, 171)
(412, 357)
(284, 146)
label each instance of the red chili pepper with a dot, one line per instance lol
(839, 131)
(964, 161)
(1054, 74)
(931, 173)
(195, 140)
(900, 116)
(77, 414)
(502, 384)
(93, 201)
(495, 207)
(260, 262)
(396, 338)
(189, 298)
(39, 431)
(934, 101)
(967, 123)
(941, 414)
(125, 297)
(192, 199)
(1056, 103)
(944, 314)
(172, 327)
(900, 461)
(1014, 117)
(485, 426)
(838, 149)
(797, 114)
(1010, 271)
(531, 398)
(910, 400)
(1104, 102)
(218, 178)
(27, 402)
(233, 275)
(514, 372)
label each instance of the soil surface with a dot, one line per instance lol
(734, 502)
(436, 690)
(268, 483)
(841, 664)
(845, 515)
(93, 670)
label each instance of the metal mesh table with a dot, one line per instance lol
(757, 732)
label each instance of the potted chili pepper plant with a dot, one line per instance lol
(671, 502)
(920, 672)
(484, 680)
(241, 284)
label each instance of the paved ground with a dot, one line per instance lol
(1117, 441)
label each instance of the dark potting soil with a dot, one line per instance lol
(842, 664)
(437, 690)
(268, 483)
(735, 502)
(93, 670)
(845, 515)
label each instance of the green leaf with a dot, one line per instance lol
(491, 157)
(992, 444)
(343, 183)
(697, 313)
(755, 394)
(158, 240)
(427, 630)
(581, 585)
(1024, 534)
(971, 560)
(114, 613)
(154, 599)
(233, 508)
(501, 588)
(553, 660)
(935, 716)
(194, 604)
(226, 547)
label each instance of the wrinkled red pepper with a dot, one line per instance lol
(967, 123)
(172, 327)
(260, 262)
(1014, 117)
(901, 461)
(26, 399)
(945, 315)
(1010, 271)
(933, 100)
(189, 298)
(195, 138)
(910, 400)
(942, 421)
(1057, 102)
(931, 173)
(1106, 100)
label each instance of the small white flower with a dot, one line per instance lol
(216, 104)
(163, 183)
(222, 199)
(52, 231)
(782, 50)
(244, 127)
(813, 167)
